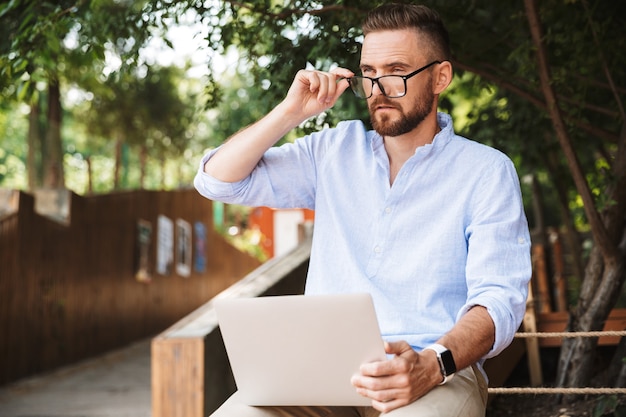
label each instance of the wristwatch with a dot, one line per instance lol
(446, 361)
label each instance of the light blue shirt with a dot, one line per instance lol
(448, 235)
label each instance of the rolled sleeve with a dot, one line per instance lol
(214, 189)
(499, 266)
(506, 316)
(283, 178)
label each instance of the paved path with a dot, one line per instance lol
(116, 384)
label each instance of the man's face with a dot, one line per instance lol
(397, 53)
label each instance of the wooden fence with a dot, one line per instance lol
(69, 288)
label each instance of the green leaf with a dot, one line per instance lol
(8, 7)
(606, 404)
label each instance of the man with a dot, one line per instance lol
(429, 223)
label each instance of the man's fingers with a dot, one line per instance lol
(321, 85)
(325, 84)
(397, 348)
(382, 378)
(387, 406)
(384, 401)
(394, 366)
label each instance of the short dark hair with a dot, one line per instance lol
(427, 22)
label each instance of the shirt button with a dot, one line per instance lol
(377, 249)
(388, 210)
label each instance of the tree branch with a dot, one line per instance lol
(600, 233)
(290, 12)
(68, 10)
(500, 82)
(605, 67)
(607, 111)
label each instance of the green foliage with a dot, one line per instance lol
(278, 38)
(152, 109)
(69, 41)
(143, 109)
(609, 406)
(491, 39)
(40, 39)
(500, 104)
(234, 228)
(12, 146)
(3, 164)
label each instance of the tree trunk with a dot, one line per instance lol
(616, 371)
(603, 282)
(604, 279)
(577, 355)
(143, 157)
(163, 174)
(52, 158)
(34, 147)
(89, 175)
(571, 234)
(118, 163)
(124, 155)
(540, 223)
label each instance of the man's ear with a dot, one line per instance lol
(443, 77)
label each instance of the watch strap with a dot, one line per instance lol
(445, 360)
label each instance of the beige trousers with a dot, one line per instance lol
(464, 396)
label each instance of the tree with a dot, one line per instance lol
(145, 110)
(46, 43)
(565, 71)
(20, 64)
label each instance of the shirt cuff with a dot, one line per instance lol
(212, 188)
(505, 322)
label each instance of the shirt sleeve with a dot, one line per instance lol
(498, 265)
(284, 178)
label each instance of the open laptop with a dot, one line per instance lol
(299, 350)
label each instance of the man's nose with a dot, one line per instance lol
(377, 89)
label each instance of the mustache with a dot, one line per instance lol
(382, 101)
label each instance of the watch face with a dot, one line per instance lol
(448, 362)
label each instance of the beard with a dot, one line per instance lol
(386, 126)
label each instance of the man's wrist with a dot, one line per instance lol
(447, 366)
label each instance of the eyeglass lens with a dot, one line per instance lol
(390, 85)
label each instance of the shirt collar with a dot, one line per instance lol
(440, 140)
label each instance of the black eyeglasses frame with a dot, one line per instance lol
(382, 89)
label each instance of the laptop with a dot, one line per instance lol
(299, 350)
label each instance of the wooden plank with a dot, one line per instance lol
(540, 279)
(178, 377)
(557, 322)
(559, 280)
(532, 345)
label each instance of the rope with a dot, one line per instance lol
(582, 391)
(525, 335)
(574, 391)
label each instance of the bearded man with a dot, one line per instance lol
(429, 223)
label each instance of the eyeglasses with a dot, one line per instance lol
(392, 86)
